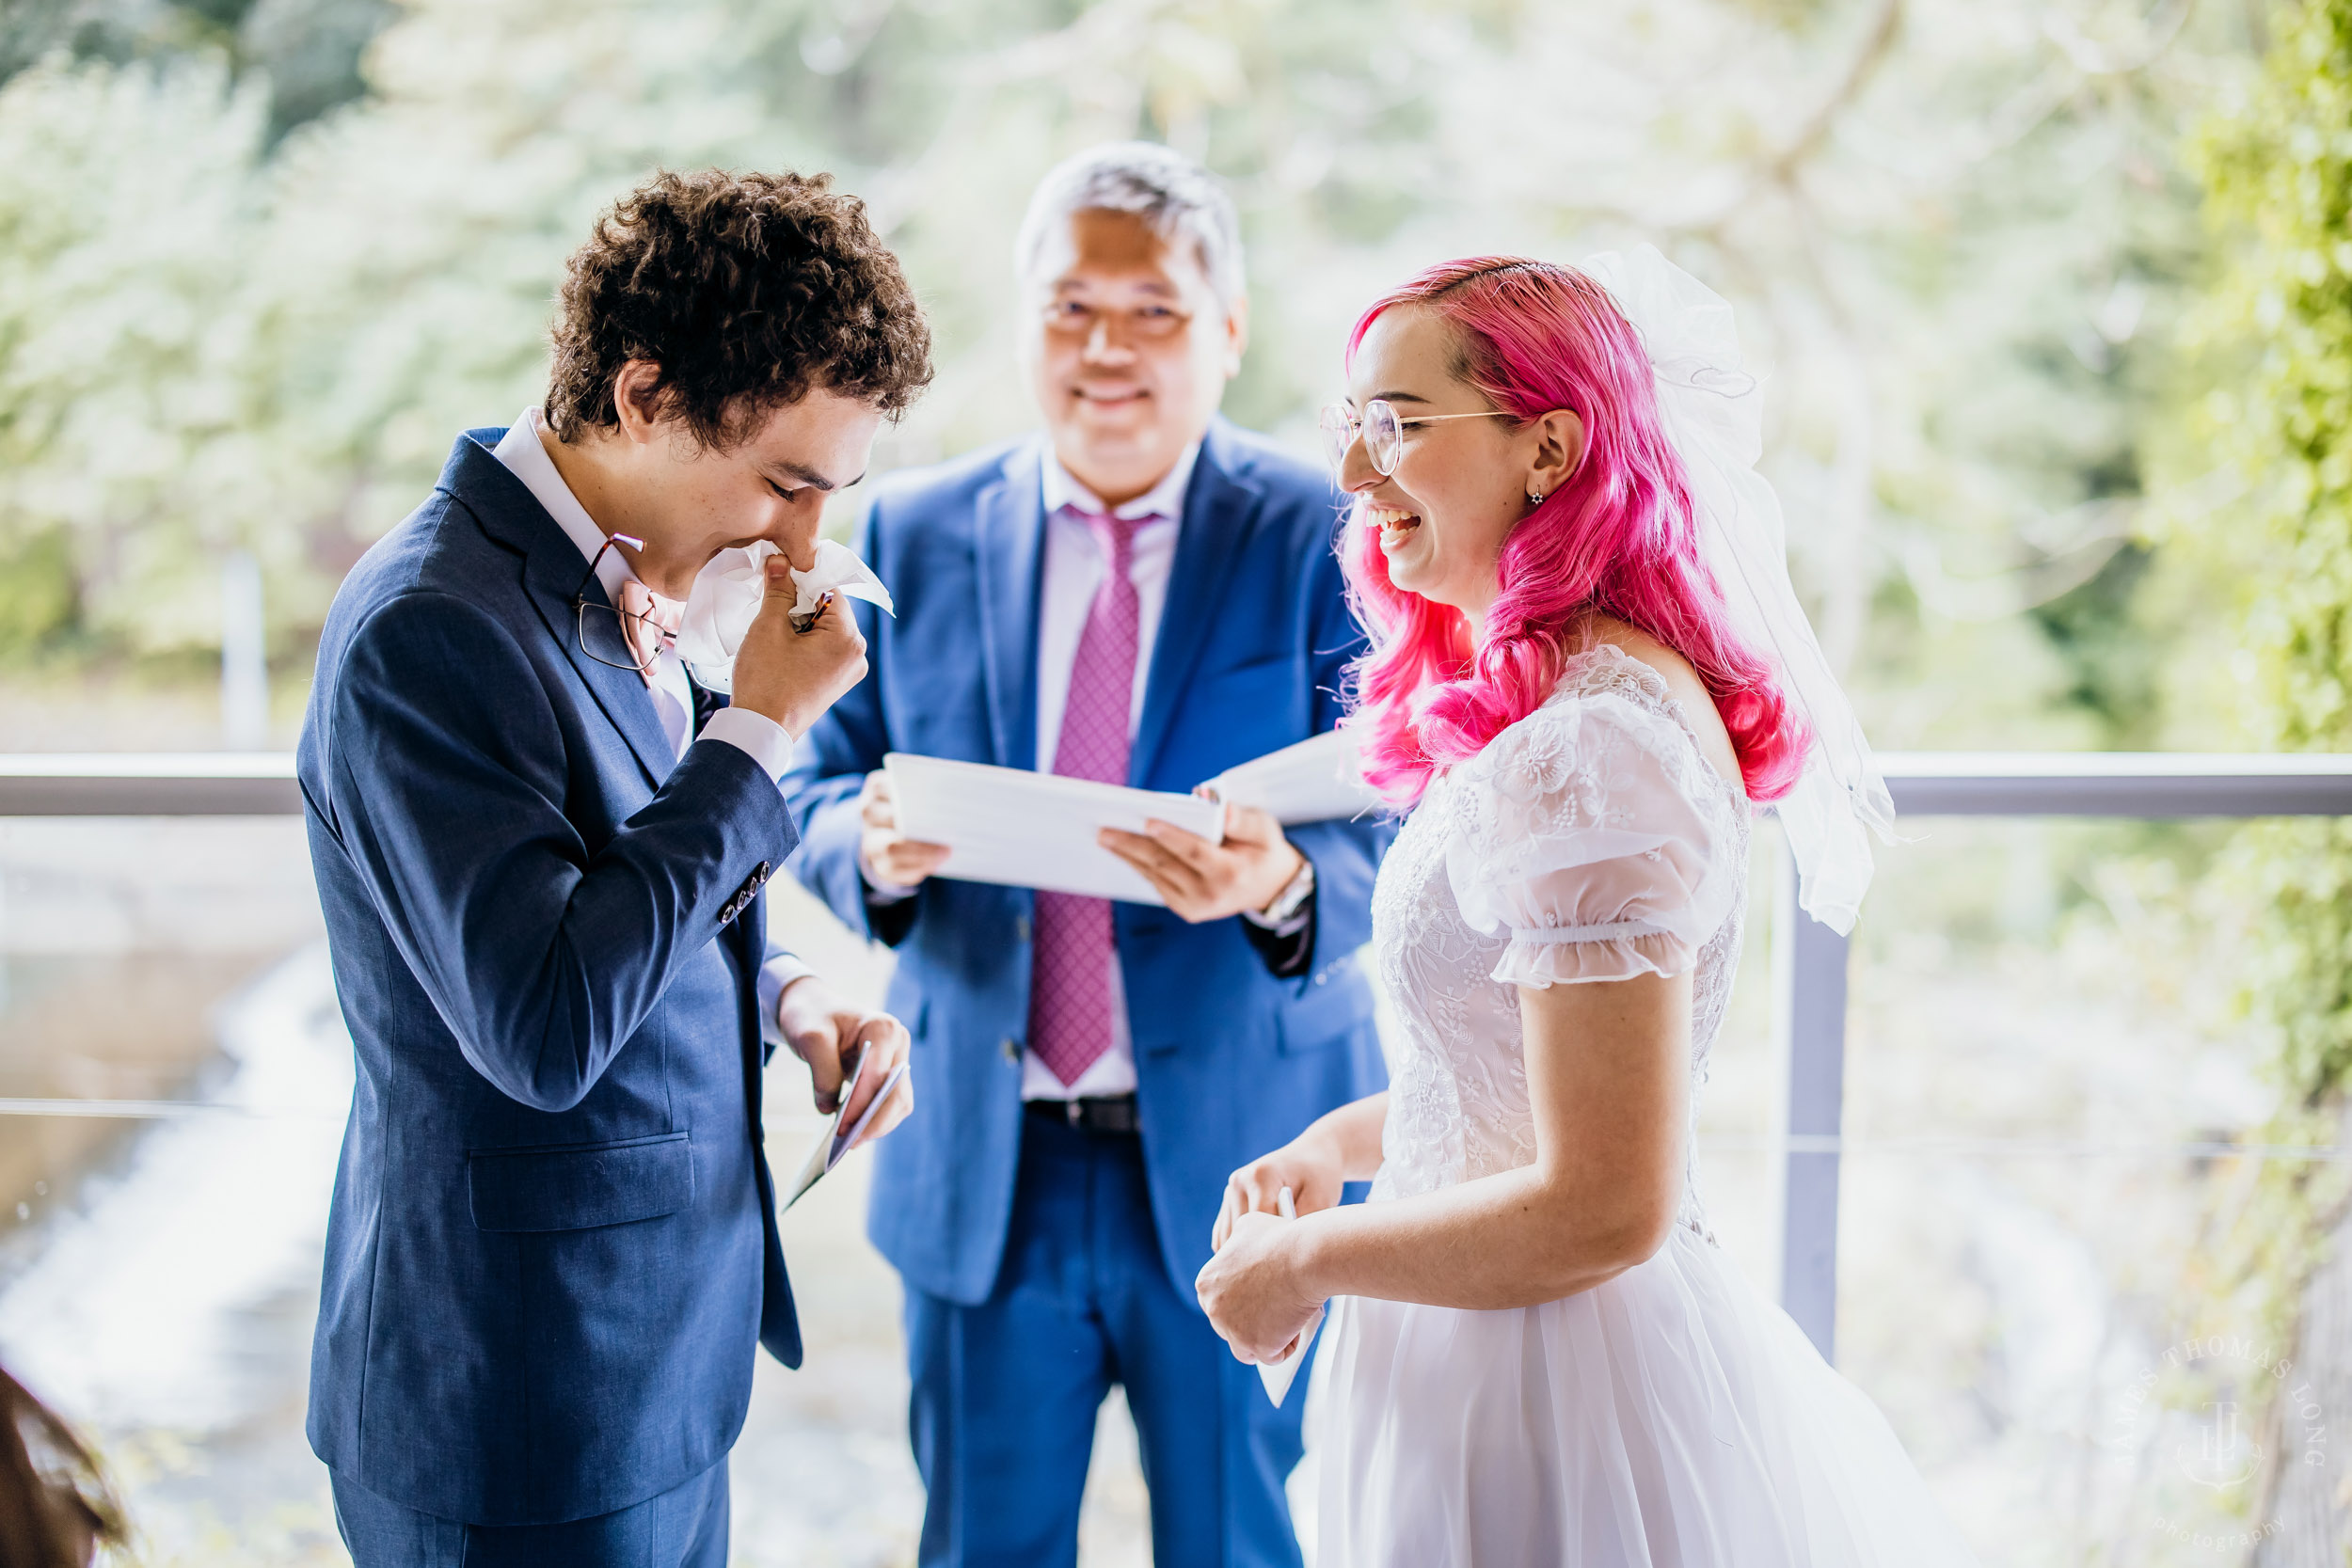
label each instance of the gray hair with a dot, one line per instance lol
(1176, 196)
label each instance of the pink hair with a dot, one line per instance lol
(1617, 539)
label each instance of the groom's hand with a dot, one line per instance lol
(794, 676)
(1200, 881)
(831, 1036)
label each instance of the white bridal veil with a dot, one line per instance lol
(1713, 413)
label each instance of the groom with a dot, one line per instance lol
(1144, 595)
(540, 847)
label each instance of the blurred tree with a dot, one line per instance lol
(305, 52)
(125, 418)
(2270, 527)
(1953, 230)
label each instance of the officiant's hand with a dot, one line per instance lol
(793, 677)
(829, 1035)
(1200, 881)
(888, 857)
(1254, 1291)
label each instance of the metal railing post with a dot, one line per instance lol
(1809, 973)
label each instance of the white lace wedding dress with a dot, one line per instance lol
(1671, 1417)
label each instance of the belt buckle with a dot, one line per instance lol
(1077, 1116)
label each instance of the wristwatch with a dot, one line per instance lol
(1293, 898)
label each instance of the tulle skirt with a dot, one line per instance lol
(1671, 1417)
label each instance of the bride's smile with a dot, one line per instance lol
(1437, 469)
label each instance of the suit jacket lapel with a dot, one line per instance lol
(1008, 551)
(1219, 511)
(553, 570)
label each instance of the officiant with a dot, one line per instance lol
(1143, 593)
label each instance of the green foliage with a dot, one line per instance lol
(303, 53)
(2266, 532)
(1954, 243)
(2276, 338)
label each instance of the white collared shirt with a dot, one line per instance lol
(767, 742)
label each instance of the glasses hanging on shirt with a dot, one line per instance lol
(611, 636)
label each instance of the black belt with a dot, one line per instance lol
(1094, 1113)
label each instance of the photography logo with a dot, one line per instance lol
(2226, 1456)
(2209, 1442)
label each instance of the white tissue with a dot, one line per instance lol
(727, 596)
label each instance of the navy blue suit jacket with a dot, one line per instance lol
(552, 1247)
(1230, 1062)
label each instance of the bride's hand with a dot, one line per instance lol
(1309, 1166)
(1253, 1291)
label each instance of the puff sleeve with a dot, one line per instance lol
(1593, 835)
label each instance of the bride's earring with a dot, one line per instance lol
(1534, 498)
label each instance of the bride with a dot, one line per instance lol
(1587, 664)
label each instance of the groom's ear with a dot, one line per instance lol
(640, 400)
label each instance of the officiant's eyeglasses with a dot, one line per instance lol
(611, 636)
(1382, 430)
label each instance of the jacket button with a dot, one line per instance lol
(1021, 928)
(1322, 977)
(1011, 1049)
(760, 876)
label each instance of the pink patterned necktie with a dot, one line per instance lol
(1069, 991)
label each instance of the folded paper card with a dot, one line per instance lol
(1315, 780)
(838, 1138)
(1013, 826)
(726, 599)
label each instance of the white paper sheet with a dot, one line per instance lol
(1023, 829)
(1315, 780)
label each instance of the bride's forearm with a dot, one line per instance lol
(1352, 1134)
(1608, 1081)
(1509, 1240)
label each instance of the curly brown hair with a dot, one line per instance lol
(748, 291)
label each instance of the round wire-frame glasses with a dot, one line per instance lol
(1382, 430)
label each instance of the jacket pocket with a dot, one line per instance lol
(581, 1186)
(1335, 1006)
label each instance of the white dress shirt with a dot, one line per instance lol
(767, 742)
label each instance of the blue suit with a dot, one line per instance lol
(552, 1247)
(973, 1202)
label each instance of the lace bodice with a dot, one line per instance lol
(1590, 841)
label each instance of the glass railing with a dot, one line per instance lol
(1976, 1151)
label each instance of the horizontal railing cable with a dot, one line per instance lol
(1952, 1145)
(167, 1109)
